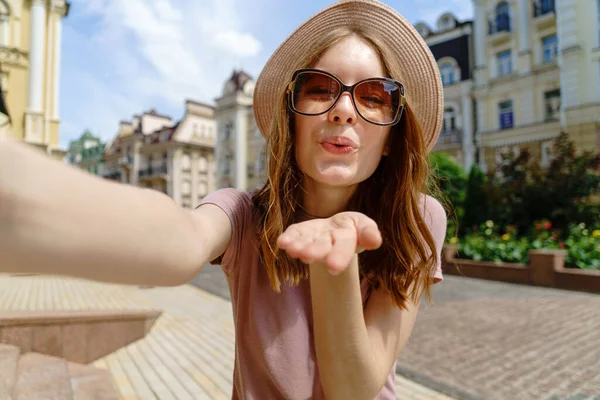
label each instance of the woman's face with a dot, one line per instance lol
(324, 164)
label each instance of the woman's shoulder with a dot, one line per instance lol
(228, 196)
(236, 203)
(433, 211)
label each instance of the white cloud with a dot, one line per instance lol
(431, 10)
(239, 44)
(133, 55)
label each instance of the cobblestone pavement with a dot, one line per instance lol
(189, 352)
(490, 340)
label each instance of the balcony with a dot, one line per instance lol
(126, 160)
(449, 139)
(499, 29)
(154, 171)
(113, 176)
(544, 13)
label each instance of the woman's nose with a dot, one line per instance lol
(343, 112)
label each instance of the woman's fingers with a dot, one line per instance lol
(318, 249)
(342, 251)
(369, 236)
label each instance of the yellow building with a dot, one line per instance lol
(537, 73)
(30, 38)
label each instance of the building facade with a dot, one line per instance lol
(240, 147)
(537, 73)
(450, 44)
(87, 153)
(151, 151)
(30, 39)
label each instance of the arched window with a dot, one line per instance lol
(447, 72)
(449, 122)
(502, 17)
(4, 23)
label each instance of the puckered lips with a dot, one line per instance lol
(339, 145)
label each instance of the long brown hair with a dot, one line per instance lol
(405, 262)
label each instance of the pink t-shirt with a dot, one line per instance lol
(274, 347)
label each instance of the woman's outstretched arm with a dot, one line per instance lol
(57, 219)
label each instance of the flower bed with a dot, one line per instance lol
(581, 243)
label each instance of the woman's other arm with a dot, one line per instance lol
(56, 219)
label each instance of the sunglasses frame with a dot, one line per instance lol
(345, 88)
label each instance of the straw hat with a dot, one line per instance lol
(420, 74)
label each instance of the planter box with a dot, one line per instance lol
(545, 268)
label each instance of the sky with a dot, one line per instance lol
(121, 58)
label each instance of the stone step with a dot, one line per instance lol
(41, 377)
(9, 357)
(34, 376)
(89, 383)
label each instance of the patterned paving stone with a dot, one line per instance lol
(489, 340)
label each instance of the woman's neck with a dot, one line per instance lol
(325, 201)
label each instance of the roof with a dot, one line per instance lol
(239, 79)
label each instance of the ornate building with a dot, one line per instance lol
(87, 153)
(537, 73)
(151, 151)
(30, 39)
(450, 44)
(240, 147)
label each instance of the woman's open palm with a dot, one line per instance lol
(332, 240)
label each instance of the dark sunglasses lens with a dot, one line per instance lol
(314, 93)
(378, 101)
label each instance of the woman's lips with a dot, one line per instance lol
(339, 145)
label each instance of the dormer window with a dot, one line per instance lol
(449, 70)
(423, 29)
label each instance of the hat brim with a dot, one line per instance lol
(419, 71)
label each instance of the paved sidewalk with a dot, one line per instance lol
(187, 355)
(491, 340)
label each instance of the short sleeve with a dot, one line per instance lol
(237, 204)
(436, 220)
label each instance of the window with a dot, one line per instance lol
(505, 111)
(186, 188)
(547, 148)
(203, 189)
(449, 122)
(501, 22)
(226, 164)
(549, 48)
(4, 24)
(228, 131)
(598, 24)
(202, 165)
(504, 60)
(186, 162)
(552, 104)
(447, 71)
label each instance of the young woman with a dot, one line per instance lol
(326, 263)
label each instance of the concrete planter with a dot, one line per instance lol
(545, 268)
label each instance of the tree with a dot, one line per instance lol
(450, 181)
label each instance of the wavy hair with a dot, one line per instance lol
(405, 262)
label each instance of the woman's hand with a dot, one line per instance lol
(332, 240)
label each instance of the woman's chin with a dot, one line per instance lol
(336, 177)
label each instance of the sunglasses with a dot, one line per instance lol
(379, 101)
